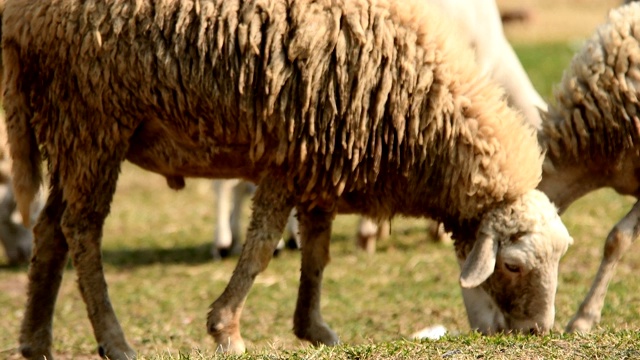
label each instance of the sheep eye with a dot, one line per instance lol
(512, 268)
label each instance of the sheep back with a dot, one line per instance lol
(597, 105)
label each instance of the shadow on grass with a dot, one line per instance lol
(132, 257)
(185, 255)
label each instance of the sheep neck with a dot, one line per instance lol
(566, 180)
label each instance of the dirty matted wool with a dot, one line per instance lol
(341, 98)
(597, 105)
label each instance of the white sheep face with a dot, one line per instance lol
(509, 277)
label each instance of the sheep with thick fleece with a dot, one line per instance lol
(592, 139)
(478, 22)
(329, 106)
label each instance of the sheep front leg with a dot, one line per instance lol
(45, 275)
(271, 207)
(315, 231)
(618, 242)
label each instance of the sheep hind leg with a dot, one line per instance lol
(271, 207)
(45, 275)
(618, 242)
(315, 231)
(368, 233)
(88, 202)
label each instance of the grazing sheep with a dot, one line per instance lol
(359, 106)
(479, 23)
(230, 194)
(592, 137)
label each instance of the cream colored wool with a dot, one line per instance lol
(597, 105)
(592, 139)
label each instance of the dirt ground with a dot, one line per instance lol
(555, 20)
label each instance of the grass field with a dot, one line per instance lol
(161, 280)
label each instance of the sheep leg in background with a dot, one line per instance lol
(437, 232)
(88, 197)
(293, 227)
(308, 325)
(241, 191)
(271, 208)
(227, 219)
(15, 238)
(45, 275)
(230, 197)
(368, 233)
(618, 242)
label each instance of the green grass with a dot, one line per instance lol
(161, 281)
(545, 63)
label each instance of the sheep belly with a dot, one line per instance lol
(154, 149)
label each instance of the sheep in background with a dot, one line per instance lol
(230, 195)
(592, 139)
(478, 22)
(14, 237)
(330, 107)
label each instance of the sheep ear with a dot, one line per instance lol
(480, 262)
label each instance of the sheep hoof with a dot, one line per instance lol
(320, 334)
(28, 352)
(223, 326)
(292, 244)
(230, 346)
(581, 324)
(225, 252)
(123, 352)
(221, 253)
(229, 342)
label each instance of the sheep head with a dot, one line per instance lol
(510, 273)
